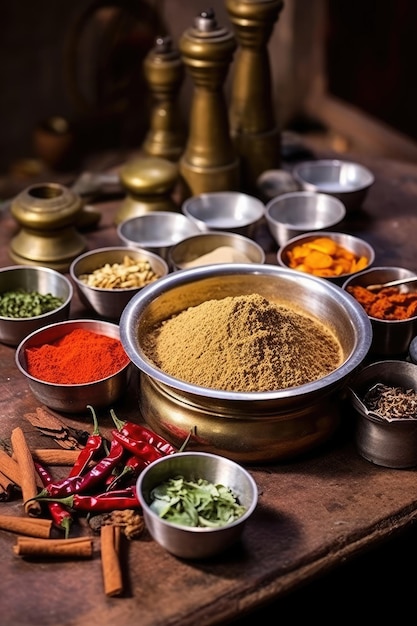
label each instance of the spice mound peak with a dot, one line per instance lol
(244, 343)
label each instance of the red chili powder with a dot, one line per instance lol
(79, 357)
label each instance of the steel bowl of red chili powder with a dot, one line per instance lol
(392, 309)
(250, 360)
(75, 363)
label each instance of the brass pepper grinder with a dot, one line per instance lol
(48, 214)
(253, 126)
(209, 162)
(149, 183)
(164, 72)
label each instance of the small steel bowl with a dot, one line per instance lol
(345, 180)
(358, 246)
(73, 398)
(231, 211)
(109, 302)
(244, 426)
(194, 248)
(390, 338)
(196, 542)
(299, 212)
(387, 443)
(156, 231)
(38, 279)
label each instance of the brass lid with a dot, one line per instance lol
(145, 176)
(46, 206)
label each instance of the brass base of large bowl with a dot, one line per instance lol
(238, 431)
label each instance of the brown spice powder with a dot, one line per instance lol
(243, 343)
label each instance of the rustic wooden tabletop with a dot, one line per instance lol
(313, 512)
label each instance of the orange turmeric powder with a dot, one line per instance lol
(388, 303)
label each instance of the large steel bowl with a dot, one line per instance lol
(244, 426)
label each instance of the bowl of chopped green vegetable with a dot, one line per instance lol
(196, 504)
(31, 297)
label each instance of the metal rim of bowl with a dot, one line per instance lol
(332, 235)
(359, 320)
(19, 354)
(45, 270)
(152, 215)
(333, 162)
(304, 194)
(110, 249)
(227, 195)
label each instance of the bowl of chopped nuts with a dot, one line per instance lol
(107, 278)
(327, 254)
(196, 504)
(384, 396)
(31, 297)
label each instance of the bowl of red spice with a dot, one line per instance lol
(72, 364)
(31, 297)
(392, 308)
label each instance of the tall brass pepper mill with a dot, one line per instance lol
(164, 72)
(253, 126)
(209, 162)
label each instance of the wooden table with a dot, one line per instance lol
(313, 513)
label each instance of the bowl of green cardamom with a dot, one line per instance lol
(31, 297)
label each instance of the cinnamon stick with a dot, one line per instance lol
(52, 456)
(110, 559)
(10, 467)
(34, 527)
(7, 487)
(27, 471)
(78, 548)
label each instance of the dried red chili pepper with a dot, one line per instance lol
(103, 503)
(141, 433)
(95, 476)
(60, 514)
(145, 451)
(131, 470)
(91, 448)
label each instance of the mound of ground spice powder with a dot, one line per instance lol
(243, 343)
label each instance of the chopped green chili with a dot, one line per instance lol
(22, 303)
(195, 503)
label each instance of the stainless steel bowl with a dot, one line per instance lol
(73, 398)
(387, 443)
(299, 212)
(231, 211)
(108, 302)
(390, 338)
(196, 542)
(358, 246)
(156, 231)
(192, 249)
(37, 279)
(244, 426)
(345, 180)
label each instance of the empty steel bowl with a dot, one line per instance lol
(231, 211)
(390, 338)
(383, 442)
(359, 247)
(215, 247)
(244, 426)
(109, 302)
(345, 180)
(196, 542)
(156, 231)
(299, 212)
(73, 398)
(41, 280)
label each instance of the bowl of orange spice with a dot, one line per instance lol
(392, 309)
(331, 255)
(75, 363)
